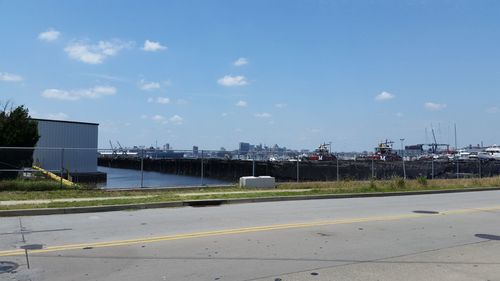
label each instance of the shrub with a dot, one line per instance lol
(398, 183)
(422, 181)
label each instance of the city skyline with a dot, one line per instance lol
(292, 73)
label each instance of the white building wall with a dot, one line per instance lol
(79, 143)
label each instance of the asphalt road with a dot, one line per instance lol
(340, 239)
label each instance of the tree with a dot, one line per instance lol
(17, 129)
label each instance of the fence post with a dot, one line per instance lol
(62, 167)
(373, 169)
(298, 171)
(202, 167)
(142, 168)
(432, 167)
(253, 165)
(338, 175)
(479, 161)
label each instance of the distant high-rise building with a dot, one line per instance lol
(166, 146)
(195, 150)
(244, 147)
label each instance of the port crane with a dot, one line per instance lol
(434, 146)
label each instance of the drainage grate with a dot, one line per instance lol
(488, 236)
(7, 266)
(426, 212)
(205, 203)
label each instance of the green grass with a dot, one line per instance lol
(28, 185)
(316, 188)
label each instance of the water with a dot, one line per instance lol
(126, 178)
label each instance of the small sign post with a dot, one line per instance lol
(30, 247)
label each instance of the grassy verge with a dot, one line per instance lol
(314, 188)
(28, 185)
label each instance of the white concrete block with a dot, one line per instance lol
(258, 182)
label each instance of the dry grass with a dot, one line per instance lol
(396, 184)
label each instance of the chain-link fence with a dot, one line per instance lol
(131, 168)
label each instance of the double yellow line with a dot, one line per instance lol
(239, 231)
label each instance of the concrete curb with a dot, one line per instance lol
(218, 202)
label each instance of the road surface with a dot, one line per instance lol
(425, 237)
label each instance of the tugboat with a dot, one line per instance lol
(322, 154)
(383, 152)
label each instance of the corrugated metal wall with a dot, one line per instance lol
(67, 135)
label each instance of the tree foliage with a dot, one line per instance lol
(17, 128)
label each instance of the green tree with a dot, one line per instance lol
(17, 129)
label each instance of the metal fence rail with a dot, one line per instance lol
(157, 168)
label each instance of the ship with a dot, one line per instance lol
(490, 153)
(322, 154)
(383, 152)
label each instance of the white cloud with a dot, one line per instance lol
(151, 46)
(230, 81)
(9, 77)
(176, 119)
(493, 109)
(434, 106)
(73, 95)
(181, 102)
(148, 86)
(95, 53)
(242, 103)
(158, 117)
(99, 91)
(105, 77)
(384, 96)
(49, 35)
(281, 105)
(58, 116)
(162, 100)
(224, 114)
(59, 94)
(263, 115)
(240, 62)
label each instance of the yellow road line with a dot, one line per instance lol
(240, 231)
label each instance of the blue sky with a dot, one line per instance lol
(295, 73)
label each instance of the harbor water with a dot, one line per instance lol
(127, 178)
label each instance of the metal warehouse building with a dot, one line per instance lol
(68, 146)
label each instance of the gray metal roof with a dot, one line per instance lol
(64, 121)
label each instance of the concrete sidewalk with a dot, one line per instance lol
(47, 201)
(242, 192)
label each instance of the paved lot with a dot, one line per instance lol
(341, 239)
